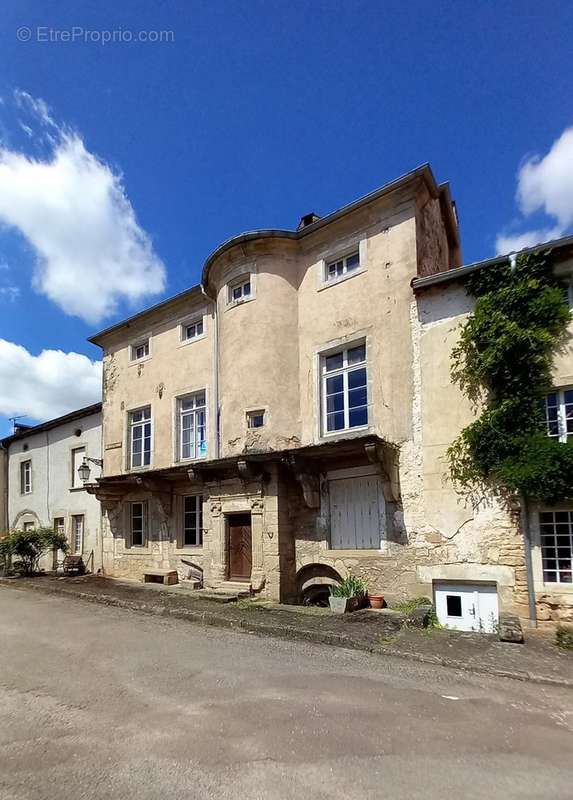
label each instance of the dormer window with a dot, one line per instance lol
(240, 290)
(140, 350)
(342, 266)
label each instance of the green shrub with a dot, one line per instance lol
(503, 364)
(407, 606)
(24, 549)
(564, 637)
(350, 587)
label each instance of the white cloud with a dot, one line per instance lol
(544, 184)
(72, 209)
(47, 385)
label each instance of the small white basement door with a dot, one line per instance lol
(357, 509)
(467, 607)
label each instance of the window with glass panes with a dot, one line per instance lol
(240, 290)
(559, 414)
(335, 269)
(344, 390)
(192, 426)
(26, 477)
(556, 529)
(78, 533)
(140, 350)
(193, 520)
(138, 518)
(192, 330)
(140, 437)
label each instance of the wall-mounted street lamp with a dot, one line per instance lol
(84, 468)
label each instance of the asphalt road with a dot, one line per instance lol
(98, 702)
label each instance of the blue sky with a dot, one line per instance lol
(254, 114)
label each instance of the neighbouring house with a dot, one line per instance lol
(487, 547)
(285, 422)
(42, 486)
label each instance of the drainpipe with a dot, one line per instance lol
(4, 461)
(213, 300)
(528, 562)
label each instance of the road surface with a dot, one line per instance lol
(98, 702)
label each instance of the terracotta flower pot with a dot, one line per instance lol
(376, 600)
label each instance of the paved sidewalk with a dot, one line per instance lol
(538, 660)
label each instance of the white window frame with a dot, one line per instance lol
(131, 425)
(198, 515)
(77, 482)
(195, 411)
(342, 253)
(61, 529)
(75, 517)
(253, 415)
(239, 283)
(345, 371)
(330, 276)
(144, 523)
(562, 434)
(26, 476)
(188, 322)
(554, 540)
(142, 341)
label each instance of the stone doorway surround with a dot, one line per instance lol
(220, 508)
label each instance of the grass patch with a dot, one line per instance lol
(564, 637)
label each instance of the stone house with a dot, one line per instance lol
(533, 572)
(284, 423)
(42, 487)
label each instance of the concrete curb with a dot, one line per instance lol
(287, 632)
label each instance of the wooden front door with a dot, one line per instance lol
(240, 547)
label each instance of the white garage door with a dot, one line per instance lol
(467, 607)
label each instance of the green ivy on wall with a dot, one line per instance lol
(503, 364)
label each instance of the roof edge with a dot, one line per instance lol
(79, 413)
(459, 273)
(125, 322)
(423, 171)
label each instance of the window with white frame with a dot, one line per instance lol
(138, 523)
(78, 454)
(193, 520)
(139, 350)
(192, 329)
(78, 533)
(192, 413)
(344, 390)
(256, 419)
(26, 477)
(29, 526)
(342, 266)
(140, 437)
(59, 525)
(559, 414)
(240, 290)
(556, 529)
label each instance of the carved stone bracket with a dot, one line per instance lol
(257, 505)
(385, 457)
(308, 481)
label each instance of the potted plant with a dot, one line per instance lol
(349, 595)
(376, 600)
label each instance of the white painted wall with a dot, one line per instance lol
(53, 493)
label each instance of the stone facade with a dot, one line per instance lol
(269, 317)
